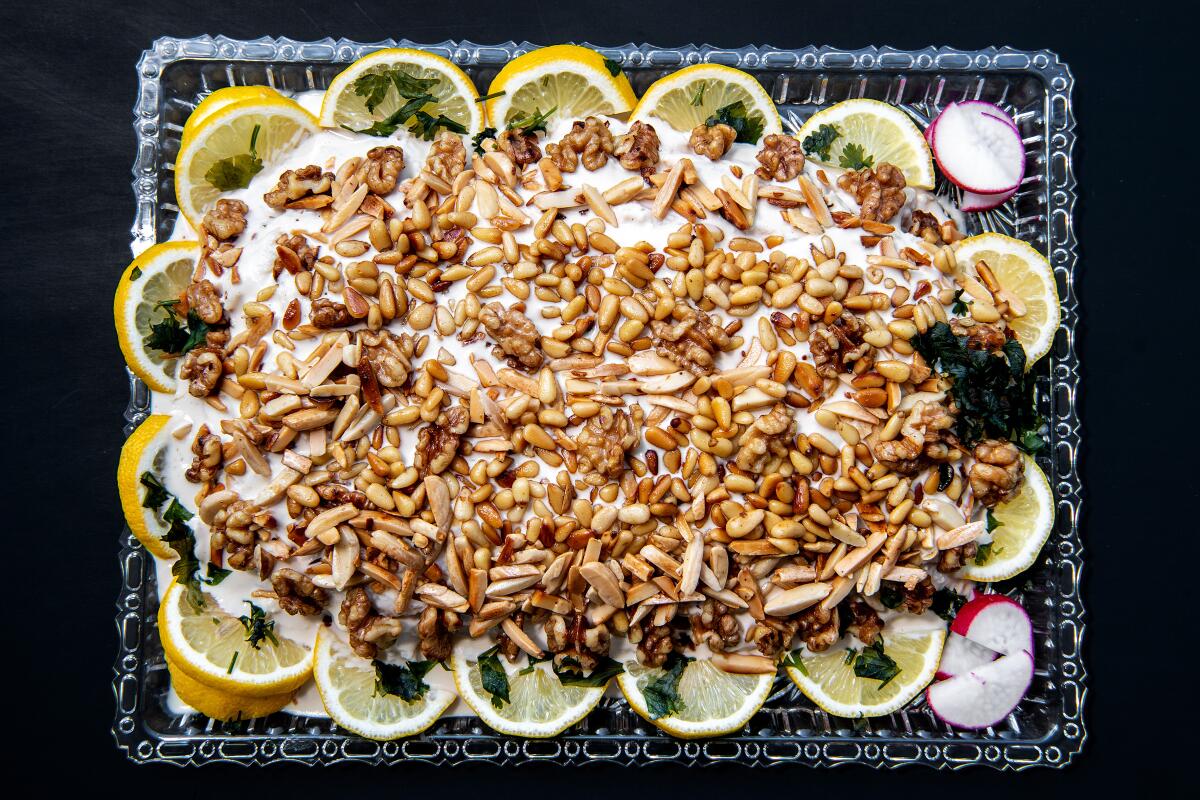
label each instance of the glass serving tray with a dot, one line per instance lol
(1047, 729)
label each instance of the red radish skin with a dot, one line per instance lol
(961, 655)
(972, 201)
(977, 151)
(984, 696)
(996, 622)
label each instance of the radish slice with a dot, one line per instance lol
(984, 696)
(991, 109)
(929, 130)
(977, 151)
(996, 622)
(961, 655)
(973, 201)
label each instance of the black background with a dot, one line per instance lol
(67, 86)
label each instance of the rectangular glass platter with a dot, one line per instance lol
(1046, 730)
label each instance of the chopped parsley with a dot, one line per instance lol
(891, 595)
(491, 96)
(875, 664)
(993, 394)
(215, 574)
(820, 141)
(425, 126)
(258, 627)
(662, 693)
(613, 67)
(135, 274)
(698, 97)
(392, 122)
(478, 139)
(853, 157)
(532, 665)
(749, 128)
(172, 336)
(946, 603)
(179, 537)
(156, 493)
(406, 682)
(493, 677)
(984, 551)
(960, 306)
(532, 123)
(990, 521)
(570, 672)
(235, 172)
(373, 87)
(793, 659)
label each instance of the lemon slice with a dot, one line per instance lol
(687, 98)
(570, 79)
(1025, 524)
(161, 273)
(346, 684)
(219, 704)
(144, 451)
(454, 93)
(218, 100)
(884, 132)
(913, 642)
(212, 647)
(712, 702)
(1025, 273)
(226, 133)
(539, 705)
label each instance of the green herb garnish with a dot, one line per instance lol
(853, 157)
(235, 172)
(491, 96)
(215, 574)
(990, 522)
(532, 123)
(478, 139)
(993, 394)
(613, 67)
(425, 126)
(946, 603)
(749, 128)
(406, 682)
(373, 87)
(662, 693)
(793, 659)
(493, 677)
(570, 672)
(172, 336)
(873, 663)
(156, 493)
(698, 97)
(984, 551)
(820, 141)
(258, 627)
(135, 274)
(891, 595)
(392, 122)
(960, 307)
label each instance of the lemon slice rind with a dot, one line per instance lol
(571, 79)
(1019, 540)
(670, 99)
(885, 132)
(740, 696)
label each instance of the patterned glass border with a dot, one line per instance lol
(1047, 730)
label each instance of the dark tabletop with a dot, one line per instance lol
(67, 85)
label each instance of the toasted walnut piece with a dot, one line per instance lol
(590, 138)
(447, 156)
(997, 472)
(205, 299)
(691, 341)
(837, 345)
(297, 593)
(202, 368)
(918, 599)
(437, 443)
(818, 628)
(655, 643)
(435, 631)
(956, 557)
(296, 184)
(879, 191)
(926, 226)
(516, 335)
(638, 149)
(335, 494)
(713, 625)
(603, 440)
(368, 630)
(864, 623)
(922, 436)
(206, 465)
(781, 157)
(327, 314)
(386, 353)
(383, 168)
(772, 635)
(980, 335)
(520, 146)
(293, 254)
(712, 142)
(227, 220)
(768, 437)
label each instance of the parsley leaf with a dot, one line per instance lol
(534, 122)
(993, 394)
(215, 574)
(990, 521)
(493, 677)
(491, 96)
(662, 693)
(960, 306)
(820, 141)
(171, 336)
(258, 627)
(425, 126)
(793, 659)
(570, 672)
(890, 595)
(478, 139)
(373, 87)
(853, 157)
(235, 172)
(613, 67)
(156, 493)
(984, 551)
(392, 122)
(749, 129)
(946, 603)
(873, 663)
(698, 97)
(406, 682)
(135, 274)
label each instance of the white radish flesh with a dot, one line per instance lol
(973, 201)
(961, 655)
(995, 622)
(978, 151)
(984, 696)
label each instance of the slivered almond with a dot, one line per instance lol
(959, 536)
(599, 205)
(666, 192)
(860, 555)
(601, 578)
(520, 638)
(435, 594)
(790, 601)
(743, 663)
(816, 203)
